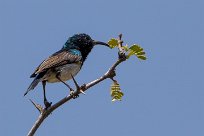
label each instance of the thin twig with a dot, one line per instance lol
(37, 106)
(109, 74)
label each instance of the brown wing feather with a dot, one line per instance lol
(57, 59)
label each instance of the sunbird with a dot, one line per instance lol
(64, 64)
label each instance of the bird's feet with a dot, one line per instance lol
(47, 104)
(74, 96)
(79, 89)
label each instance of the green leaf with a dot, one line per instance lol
(141, 53)
(125, 48)
(138, 51)
(141, 57)
(130, 54)
(113, 43)
(116, 92)
(136, 48)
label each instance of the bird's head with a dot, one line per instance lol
(83, 43)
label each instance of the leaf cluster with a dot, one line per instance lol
(116, 92)
(134, 49)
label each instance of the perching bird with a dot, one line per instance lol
(63, 64)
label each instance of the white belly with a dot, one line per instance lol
(65, 72)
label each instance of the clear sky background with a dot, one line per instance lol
(164, 96)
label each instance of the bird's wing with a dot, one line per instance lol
(59, 58)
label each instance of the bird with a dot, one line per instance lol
(64, 64)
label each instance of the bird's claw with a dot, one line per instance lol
(74, 96)
(47, 104)
(79, 89)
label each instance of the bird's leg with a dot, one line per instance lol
(77, 86)
(47, 104)
(71, 90)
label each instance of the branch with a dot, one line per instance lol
(44, 113)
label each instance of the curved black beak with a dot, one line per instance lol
(100, 43)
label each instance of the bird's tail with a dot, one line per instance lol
(33, 85)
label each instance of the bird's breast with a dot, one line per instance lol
(64, 71)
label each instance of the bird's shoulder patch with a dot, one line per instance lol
(75, 52)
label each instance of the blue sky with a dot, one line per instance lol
(164, 96)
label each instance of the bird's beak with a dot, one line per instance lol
(100, 43)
